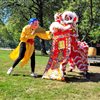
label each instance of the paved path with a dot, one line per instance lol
(6, 49)
(94, 59)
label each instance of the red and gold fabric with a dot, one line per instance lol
(59, 53)
(79, 52)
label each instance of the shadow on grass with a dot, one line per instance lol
(39, 76)
(94, 77)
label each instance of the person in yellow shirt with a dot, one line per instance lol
(25, 50)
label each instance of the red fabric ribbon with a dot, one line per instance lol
(31, 41)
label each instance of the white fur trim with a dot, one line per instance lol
(74, 15)
(55, 16)
(59, 26)
(71, 14)
(66, 22)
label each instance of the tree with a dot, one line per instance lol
(18, 12)
(88, 17)
(23, 10)
(6, 39)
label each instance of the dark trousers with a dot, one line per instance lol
(21, 55)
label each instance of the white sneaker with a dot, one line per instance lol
(34, 75)
(10, 70)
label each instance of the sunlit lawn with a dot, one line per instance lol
(20, 86)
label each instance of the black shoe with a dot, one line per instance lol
(64, 73)
(87, 75)
(70, 70)
(44, 53)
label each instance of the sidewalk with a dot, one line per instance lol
(94, 60)
(6, 49)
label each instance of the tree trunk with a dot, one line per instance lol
(40, 17)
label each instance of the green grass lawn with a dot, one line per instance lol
(20, 86)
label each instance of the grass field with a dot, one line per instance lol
(20, 86)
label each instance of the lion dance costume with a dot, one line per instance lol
(79, 50)
(65, 47)
(59, 51)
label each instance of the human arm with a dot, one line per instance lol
(43, 34)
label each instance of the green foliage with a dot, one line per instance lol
(95, 35)
(6, 39)
(16, 13)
